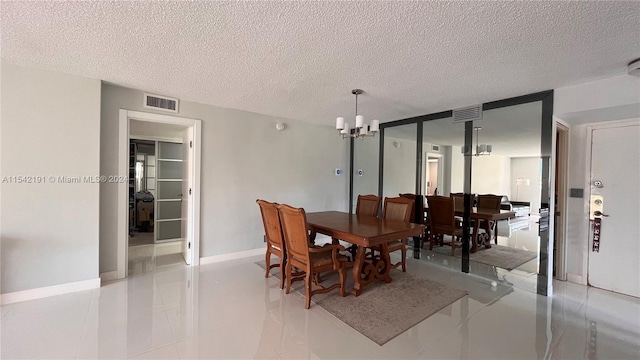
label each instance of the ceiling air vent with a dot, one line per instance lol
(468, 114)
(161, 103)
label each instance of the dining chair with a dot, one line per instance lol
(418, 214)
(273, 234)
(396, 209)
(443, 222)
(458, 201)
(309, 259)
(368, 205)
(490, 202)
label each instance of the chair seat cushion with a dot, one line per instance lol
(321, 259)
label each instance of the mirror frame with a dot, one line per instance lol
(547, 196)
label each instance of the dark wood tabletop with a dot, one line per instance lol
(364, 232)
(488, 214)
(360, 230)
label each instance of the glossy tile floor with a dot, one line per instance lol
(521, 233)
(230, 311)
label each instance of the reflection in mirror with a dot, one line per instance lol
(399, 172)
(443, 162)
(365, 168)
(443, 174)
(512, 171)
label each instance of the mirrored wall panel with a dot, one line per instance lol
(442, 158)
(399, 171)
(506, 177)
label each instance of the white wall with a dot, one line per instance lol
(526, 168)
(366, 157)
(613, 98)
(457, 170)
(604, 100)
(50, 127)
(399, 173)
(243, 158)
(490, 175)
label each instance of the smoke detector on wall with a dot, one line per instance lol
(634, 67)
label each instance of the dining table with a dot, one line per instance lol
(364, 232)
(487, 215)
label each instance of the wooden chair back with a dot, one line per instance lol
(309, 259)
(397, 208)
(294, 229)
(368, 205)
(458, 201)
(441, 214)
(489, 202)
(271, 221)
(417, 215)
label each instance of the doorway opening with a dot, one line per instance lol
(159, 216)
(434, 174)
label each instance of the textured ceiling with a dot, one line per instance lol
(300, 60)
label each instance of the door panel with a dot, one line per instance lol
(187, 215)
(616, 266)
(169, 195)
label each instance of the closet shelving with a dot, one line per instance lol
(169, 192)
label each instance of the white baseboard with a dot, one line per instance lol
(578, 279)
(320, 239)
(232, 256)
(108, 276)
(47, 291)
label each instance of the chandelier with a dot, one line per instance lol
(361, 130)
(481, 149)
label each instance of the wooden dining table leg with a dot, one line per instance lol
(474, 236)
(358, 263)
(487, 228)
(384, 254)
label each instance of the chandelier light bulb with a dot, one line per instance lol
(340, 123)
(361, 129)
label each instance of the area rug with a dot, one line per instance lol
(383, 311)
(501, 256)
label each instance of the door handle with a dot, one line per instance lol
(599, 213)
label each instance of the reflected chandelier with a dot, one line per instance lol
(361, 130)
(481, 149)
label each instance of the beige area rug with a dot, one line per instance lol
(383, 311)
(501, 256)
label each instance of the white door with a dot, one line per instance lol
(187, 215)
(615, 175)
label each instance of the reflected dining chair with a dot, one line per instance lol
(396, 209)
(308, 258)
(273, 234)
(418, 214)
(368, 205)
(490, 202)
(443, 222)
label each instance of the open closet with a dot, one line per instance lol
(155, 191)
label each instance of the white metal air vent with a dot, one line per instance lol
(435, 148)
(161, 103)
(468, 113)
